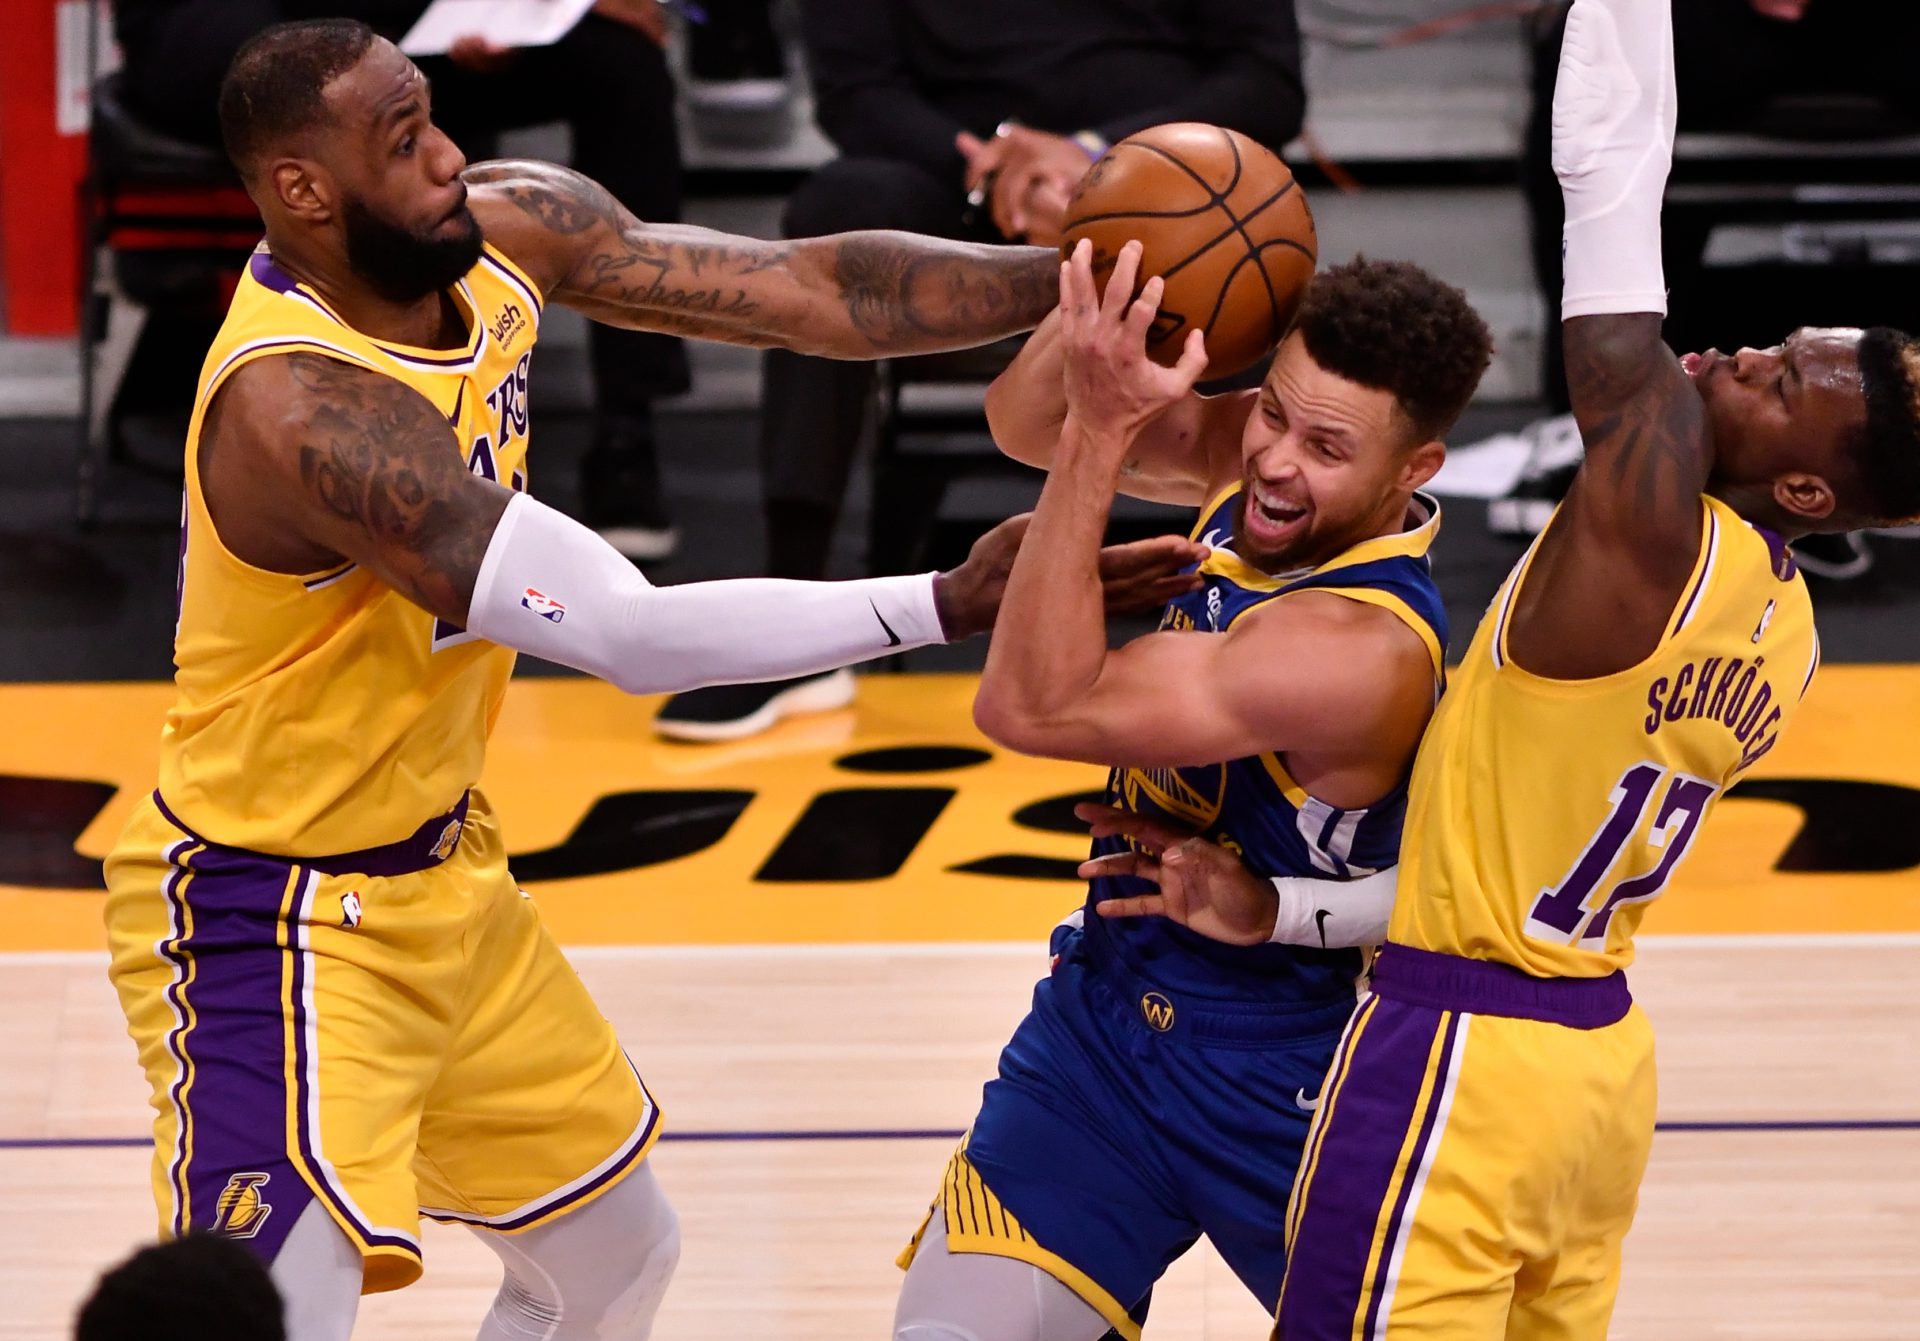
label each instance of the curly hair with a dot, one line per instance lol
(276, 86)
(1392, 326)
(1885, 451)
(195, 1287)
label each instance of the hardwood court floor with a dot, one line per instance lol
(1783, 1200)
(903, 874)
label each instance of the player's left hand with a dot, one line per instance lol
(1112, 387)
(1203, 886)
(1138, 576)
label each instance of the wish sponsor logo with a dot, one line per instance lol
(543, 605)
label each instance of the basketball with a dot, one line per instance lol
(1221, 221)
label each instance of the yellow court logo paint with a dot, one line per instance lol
(1157, 1011)
(894, 821)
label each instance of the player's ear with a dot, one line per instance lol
(303, 190)
(1802, 495)
(1422, 463)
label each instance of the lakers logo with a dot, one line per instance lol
(449, 837)
(1157, 1011)
(241, 1211)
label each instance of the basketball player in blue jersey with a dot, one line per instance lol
(346, 1010)
(1162, 1085)
(1477, 1158)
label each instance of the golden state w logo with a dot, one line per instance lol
(1157, 1011)
(241, 1212)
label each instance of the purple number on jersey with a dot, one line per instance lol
(1566, 913)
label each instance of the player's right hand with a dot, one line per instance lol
(1203, 886)
(1113, 388)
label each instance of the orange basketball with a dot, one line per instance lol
(1221, 221)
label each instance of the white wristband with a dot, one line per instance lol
(551, 587)
(1334, 914)
(1614, 110)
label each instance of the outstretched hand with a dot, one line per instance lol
(1203, 886)
(1137, 576)
(1111, 383)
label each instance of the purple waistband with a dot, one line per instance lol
(1482, 987)
(429, 845)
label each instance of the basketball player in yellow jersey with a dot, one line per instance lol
(1477, 1155)
(345, 1009)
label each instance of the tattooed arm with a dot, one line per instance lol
(308, 462)
(1613, 565)
(851, 295)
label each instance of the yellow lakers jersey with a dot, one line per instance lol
(323, 713)
(1546, 814)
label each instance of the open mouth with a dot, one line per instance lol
(1270, 517)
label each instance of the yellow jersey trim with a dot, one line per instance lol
(989, 1228)
(1694, 594)
(1296, 795)
(1211, 506)
(490, 252)
(1412, 543)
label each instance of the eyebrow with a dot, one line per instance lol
(1793, 366)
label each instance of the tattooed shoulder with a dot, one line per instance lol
(558, 199)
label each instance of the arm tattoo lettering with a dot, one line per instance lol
(852, 295)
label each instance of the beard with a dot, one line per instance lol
(404, 266)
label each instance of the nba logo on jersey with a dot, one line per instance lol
(543, 605)
(1214, 604)
(350, 909)
(241, 1212)
(1766, 618)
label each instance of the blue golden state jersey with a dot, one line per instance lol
(1253, 805)
(1547, 814)
(322, 713)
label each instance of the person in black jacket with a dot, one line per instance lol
(929, 101)
(607, 79)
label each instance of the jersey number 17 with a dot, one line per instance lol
(1569, 913)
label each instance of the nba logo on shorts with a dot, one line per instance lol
(350, 909)
(543, 605)
(1157, 1011)
(240, 1211)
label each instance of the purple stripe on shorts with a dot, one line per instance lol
(1360, 1143)
(1435, 1097)
(1482, 987)
(236, 1168)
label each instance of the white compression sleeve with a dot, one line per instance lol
(1334, 914)
(551, 587)
(1613, 124)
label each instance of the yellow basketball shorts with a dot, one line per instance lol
(1476, 1160)
(391, 1032)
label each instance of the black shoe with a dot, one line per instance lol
(620, 492)
(1834, 557)
(1524, 511)
(734, 60)
(730, 711)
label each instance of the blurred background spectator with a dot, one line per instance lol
(970, 121)
(607, 80)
